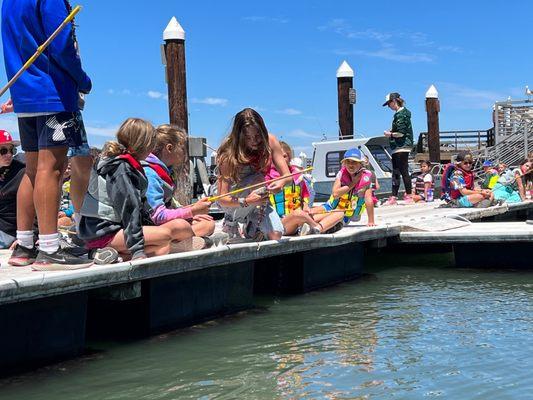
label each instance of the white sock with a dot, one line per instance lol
(25, 239)
(49, 243)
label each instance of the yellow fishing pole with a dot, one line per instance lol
(257, 185)
(40, 49)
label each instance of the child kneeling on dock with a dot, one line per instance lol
(292, 202)
(351, 194)
(243, 159)
(115, 215)
(167, 155)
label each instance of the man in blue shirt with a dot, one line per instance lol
(46, 100)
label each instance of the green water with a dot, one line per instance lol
(399, 333)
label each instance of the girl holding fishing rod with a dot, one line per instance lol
(243, 159)
(166, 157)
(351, 193)
(292, 202)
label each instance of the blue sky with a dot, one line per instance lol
(281, 57)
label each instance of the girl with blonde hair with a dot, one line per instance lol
(168, 155)
(115, 213)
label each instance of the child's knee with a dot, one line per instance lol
(275, 235)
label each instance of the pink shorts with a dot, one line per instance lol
(101, 242)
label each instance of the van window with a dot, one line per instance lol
(333, 163)
(381, 156)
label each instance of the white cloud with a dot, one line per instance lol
(126, 92)
(289, 111)
(388, 44)
(389, 53)
(107, 132)
(110, 91)
(154, 94)
(211, 101)
(9, 123)
(300, 133)
(468, 98)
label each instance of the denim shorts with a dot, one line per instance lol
(6, 240)
(64, 129)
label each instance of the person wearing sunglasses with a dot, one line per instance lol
(11, 173)
(463, 190)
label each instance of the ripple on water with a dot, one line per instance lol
(409, 333)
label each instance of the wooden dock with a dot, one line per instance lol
(45, 315)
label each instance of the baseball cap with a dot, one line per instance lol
(488, 163)
(6, 138)
(354, 154)
(390, 97)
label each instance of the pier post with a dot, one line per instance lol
(174, 37)
(346, 100)
(432, 110)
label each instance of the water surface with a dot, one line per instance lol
(399, 333)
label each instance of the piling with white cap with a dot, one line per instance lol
(432, 111)
(346, 100)
(174, 51)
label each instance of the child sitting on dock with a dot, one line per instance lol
(115, 215)
(351, 194)
(168, 155)
(491, 175)
(243, 159)
(292, 202)
(423, 183)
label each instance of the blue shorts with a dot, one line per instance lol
(464, 202)
(64, 129)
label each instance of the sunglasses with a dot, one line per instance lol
(467, 163)
(6, 150)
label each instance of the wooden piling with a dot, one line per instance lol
(432, 110)
(174, 37)
(346, 100)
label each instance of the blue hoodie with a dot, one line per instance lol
(53, 81)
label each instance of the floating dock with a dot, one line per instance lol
(46, 316)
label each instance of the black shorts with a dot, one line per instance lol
(64, 129)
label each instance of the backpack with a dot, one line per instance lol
(445, 182)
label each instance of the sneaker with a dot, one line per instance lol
(73, 247)
(408, 199)
(61, 260)
(305, 229)
(106, 255)
(22, 256)
(337, 227)
(216, 239)
(190, 244)
(391, 201)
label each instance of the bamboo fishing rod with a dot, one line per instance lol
(257, 185)
(41, 49)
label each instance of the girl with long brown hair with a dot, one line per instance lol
(243, 159)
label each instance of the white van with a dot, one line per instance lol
(327, 158)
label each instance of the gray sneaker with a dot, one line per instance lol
(106, 255)
(216, 239)
(305, 229)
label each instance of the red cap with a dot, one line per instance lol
(6, 138)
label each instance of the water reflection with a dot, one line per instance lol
(409, 333)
